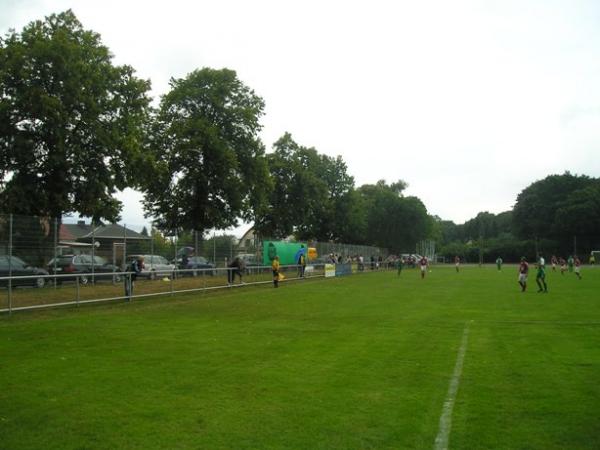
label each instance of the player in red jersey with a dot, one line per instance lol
(457, 262)
(578, 267)
(554, 262)
(563, 265)
(523, 271)
(423, 263)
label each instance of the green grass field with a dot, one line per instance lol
(362, 362)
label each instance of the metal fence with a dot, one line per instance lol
(73, 262)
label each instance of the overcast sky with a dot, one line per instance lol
(467, 101)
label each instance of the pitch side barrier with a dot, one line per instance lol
(28, 293)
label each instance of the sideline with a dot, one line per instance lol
(441, 441)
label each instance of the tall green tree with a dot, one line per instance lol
(394, 221)
(70, 121)
(535, 212)
(311, 198)
(210, 161)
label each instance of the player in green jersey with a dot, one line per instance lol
(400, 265)
(540, 278)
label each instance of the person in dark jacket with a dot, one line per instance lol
(136, 267)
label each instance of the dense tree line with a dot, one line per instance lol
(559, 215)
(75, 129)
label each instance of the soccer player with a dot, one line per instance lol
(540, 278)
(423, 263)
(541, 261)
(400, 264)
(523, 271)
(554, 262)
(570, 263)
(457, 262)
(563, 265)
(577, 264)
(499, 263)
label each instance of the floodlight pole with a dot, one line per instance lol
(93, 252)
(10, 244)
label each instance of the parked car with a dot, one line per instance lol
(197, 263)
(82, 267)
(252, 263)
(19, 268)
(251, 260)
(154, 266)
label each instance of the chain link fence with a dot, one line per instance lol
(46, 262)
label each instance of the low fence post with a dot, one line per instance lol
(128, 283)
(172, 281)
(77, 291)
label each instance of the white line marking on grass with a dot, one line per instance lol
(441, 441)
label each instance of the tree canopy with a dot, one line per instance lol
(75, 129)
(210, 162)
(394, 221)
(540, 207)
(309, 190)
(70, 121)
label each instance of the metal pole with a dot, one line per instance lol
(174, 272)
(93, 252)
(151, 240)
(214, 249)
(124, 245)
(55, 248)
(172, 278)
(196, 242)
(77, 291)
(10, 244)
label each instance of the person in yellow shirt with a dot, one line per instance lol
(275, 267)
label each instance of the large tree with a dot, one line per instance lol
(546, 208)
(211, 165)
(70, 121)
(312, 197)
(394, 221)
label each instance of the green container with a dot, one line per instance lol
(288, 252)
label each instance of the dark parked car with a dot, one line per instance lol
(19, 268)
(81, 266)
(197, 263)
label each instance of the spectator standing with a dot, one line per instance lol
(301, 265)
(237, 266)
(275, 267)
(136, 267)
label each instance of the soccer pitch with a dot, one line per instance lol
(371, 361)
